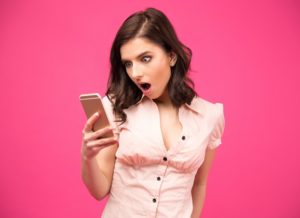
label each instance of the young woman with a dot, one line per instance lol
(165, 136)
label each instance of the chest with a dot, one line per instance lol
(152, 132)
(170, 126)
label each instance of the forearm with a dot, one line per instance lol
(198, 195)
(94, 179)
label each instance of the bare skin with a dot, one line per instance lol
(97, 159)
(169, 121)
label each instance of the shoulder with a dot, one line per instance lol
(109, 110)
(207, 108)
(108, 105)
(106, 100)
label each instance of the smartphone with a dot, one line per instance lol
(91, 104)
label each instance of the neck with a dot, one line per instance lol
(164, 100)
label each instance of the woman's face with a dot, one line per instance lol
(147, 65)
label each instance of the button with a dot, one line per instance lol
(165, 158)
(183, 137)
(158, 178)
(154, 200)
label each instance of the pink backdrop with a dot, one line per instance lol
(245, 55)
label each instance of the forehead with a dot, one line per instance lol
(134, 47)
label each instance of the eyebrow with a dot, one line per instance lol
(140, 55)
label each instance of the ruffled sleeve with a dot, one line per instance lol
(219, 124)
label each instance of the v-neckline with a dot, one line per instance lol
(163, 144)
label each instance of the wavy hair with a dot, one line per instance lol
(153, 25)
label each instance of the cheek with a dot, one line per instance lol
(165, 73)
(162, 70)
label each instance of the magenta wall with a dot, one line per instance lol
(246, 55)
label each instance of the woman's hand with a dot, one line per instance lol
(93, 142)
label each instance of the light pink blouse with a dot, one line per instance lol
(149, 180)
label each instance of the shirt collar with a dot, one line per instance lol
(194, 106)
(141, 99)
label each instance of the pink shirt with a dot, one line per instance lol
(149, 180)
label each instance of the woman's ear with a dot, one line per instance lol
(173, 59)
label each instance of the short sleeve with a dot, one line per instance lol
(219, 124)
(108, 107)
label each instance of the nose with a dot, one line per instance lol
(136, 72)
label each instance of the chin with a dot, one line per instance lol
(157, 97)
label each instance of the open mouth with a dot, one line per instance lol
(145, 86)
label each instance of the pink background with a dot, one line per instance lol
(245, 55)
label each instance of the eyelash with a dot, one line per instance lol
(143, 60)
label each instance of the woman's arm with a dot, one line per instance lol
(97, 159)
(97, 172)
(199, 187)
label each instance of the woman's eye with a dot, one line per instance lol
(146, 59)
(127, 64)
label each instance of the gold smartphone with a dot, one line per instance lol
(92, 103)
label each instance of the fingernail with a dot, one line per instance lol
(97, 114)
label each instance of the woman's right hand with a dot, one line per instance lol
(93, 142)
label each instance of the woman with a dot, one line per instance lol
(165, 136)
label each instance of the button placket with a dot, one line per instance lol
(159, 179)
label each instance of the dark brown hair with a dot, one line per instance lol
(153, 25)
